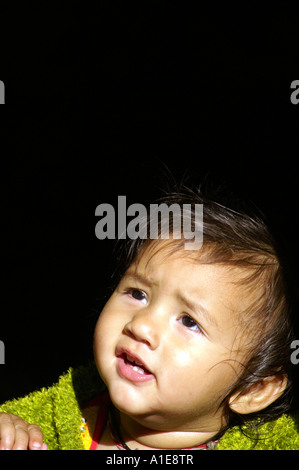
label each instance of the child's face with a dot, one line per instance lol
(178, 318)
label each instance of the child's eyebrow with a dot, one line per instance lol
(140, 278)
(198, 309)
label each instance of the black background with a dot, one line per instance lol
(106, 99)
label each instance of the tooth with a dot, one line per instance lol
(138, 369)
(133, 360)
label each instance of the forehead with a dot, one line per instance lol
(165, 252)
(190, 273)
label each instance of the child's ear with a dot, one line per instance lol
(259, 396)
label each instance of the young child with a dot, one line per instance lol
(190, 344)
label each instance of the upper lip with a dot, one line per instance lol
(132, 357)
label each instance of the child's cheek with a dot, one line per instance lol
(182, 359)
(178, 368)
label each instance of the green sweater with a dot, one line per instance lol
(57, 410)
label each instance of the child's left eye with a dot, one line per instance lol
(188, 322)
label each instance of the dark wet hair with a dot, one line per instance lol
(238, 238)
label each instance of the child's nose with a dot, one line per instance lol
(144, 327)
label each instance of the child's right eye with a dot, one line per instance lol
(137, 294)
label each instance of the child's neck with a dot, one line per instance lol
(137, 436)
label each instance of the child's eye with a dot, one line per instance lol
(188, 322)
(137, 294)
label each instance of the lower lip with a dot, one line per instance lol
(126, 370)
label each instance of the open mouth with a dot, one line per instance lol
(132, 368)
(137, 366)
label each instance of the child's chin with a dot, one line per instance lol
(129, 400)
